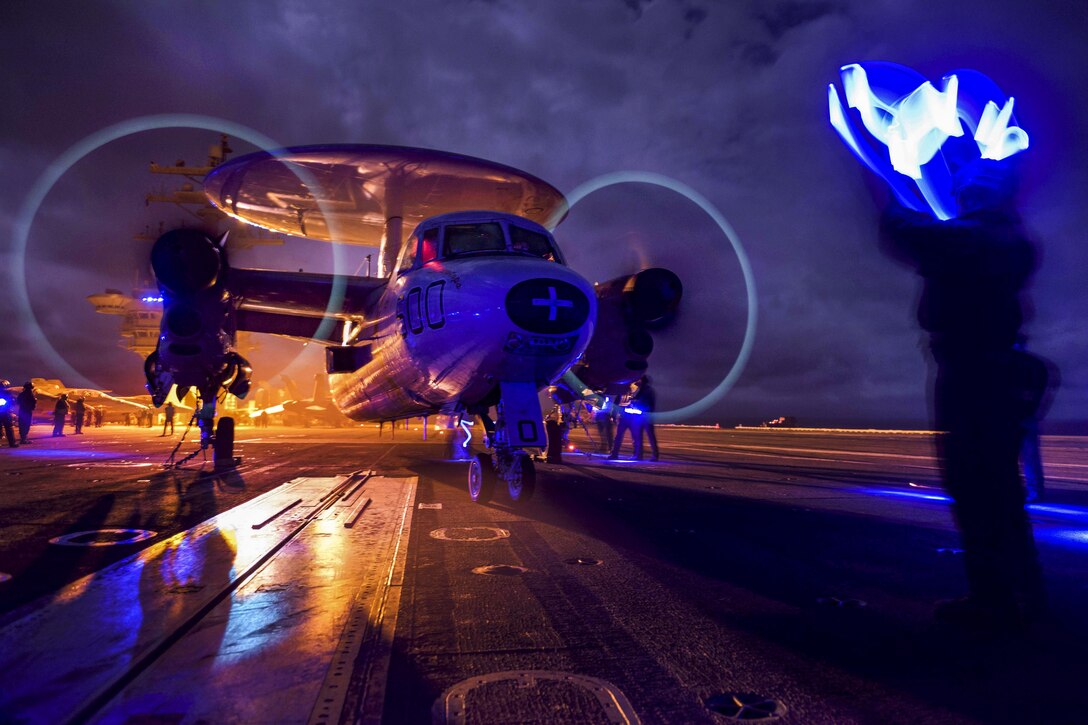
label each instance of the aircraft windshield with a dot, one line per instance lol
(468, 238)
(485, 238)
(530, 242)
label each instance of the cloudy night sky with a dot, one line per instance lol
(728, 98)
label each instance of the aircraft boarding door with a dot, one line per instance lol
(522, 419)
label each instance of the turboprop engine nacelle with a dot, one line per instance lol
(628, 308)
(196, 340)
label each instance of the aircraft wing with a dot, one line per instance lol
(294, 304)
(346, 193)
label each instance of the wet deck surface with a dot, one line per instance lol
(630, 590)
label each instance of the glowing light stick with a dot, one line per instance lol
(912, 133)
(468, 434)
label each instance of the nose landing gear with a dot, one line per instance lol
(514, 467)
(519, 426)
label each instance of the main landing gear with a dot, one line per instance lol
(515, 468)
(223, 443)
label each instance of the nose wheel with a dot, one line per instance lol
(481, 478)
(521, 477)
(516, 469)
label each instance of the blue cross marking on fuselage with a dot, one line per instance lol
(552, 302)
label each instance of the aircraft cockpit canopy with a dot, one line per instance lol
(456, 236)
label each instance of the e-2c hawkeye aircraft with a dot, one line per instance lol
(474, 308)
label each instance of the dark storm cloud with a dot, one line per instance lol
(727, 97)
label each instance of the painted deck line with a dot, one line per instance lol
(59, 652)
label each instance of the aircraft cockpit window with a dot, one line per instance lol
(469, 238)
(530, 242)
(428, 248)
(407, 255)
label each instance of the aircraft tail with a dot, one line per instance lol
(321, 389)
(292, 389)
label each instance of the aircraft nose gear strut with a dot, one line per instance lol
(519, 426)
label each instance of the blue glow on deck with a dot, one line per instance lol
(64, 453)
(916, 495)
(1062, 511)
(1046, 508)
(1067, 537)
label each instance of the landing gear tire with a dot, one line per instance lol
(521, 480)
(481, 478)
(223, 451)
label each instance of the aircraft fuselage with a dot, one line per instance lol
(449, 331)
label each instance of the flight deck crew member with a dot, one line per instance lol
(168, 411)
(623, 423)
(1039, 379)
(7, 402)
(79, 415)
(646, 401)
(27, 403)
(60, 412)
(605, 430)
(974, 269)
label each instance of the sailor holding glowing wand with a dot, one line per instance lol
(947, 155)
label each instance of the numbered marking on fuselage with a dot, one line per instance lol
(426, 310)
(436, 315)
(415, 314)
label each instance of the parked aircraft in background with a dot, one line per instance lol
(114, 407)
(319, 409)
(475, 307)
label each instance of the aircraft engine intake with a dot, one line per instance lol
(196, 341)
(628, 308)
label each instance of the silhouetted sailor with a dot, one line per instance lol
(623, 424)
(635, 412)
(168, 411)
(27, 401)
(645, 400)
(974, 269)
(605, 430)
(554, 451)
(78, 415)
(7, 404)
(60, 412)
(1039, 379)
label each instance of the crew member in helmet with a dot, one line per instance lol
(27, 401)
(60, 412)
(7, 402)
(80, 415)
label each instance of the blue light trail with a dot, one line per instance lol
(914, 132)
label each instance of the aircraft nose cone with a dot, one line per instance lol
(548, 306)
